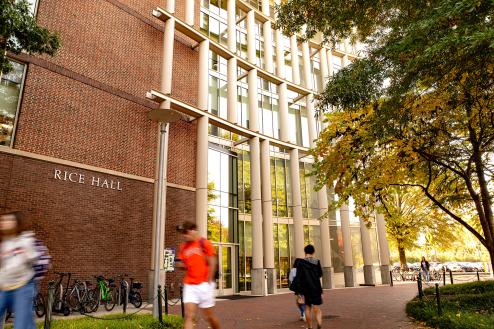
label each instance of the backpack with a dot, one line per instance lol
(217, 270)
(43, 263)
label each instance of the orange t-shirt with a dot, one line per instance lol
(193, 254)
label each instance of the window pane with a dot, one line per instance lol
(10, 92)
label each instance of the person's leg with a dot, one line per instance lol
(23, 306)
(3, 307)
(212, 318)
(318, 315)
(308, 315)
(190, 312)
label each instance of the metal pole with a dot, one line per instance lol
(478, 276)
(160, 304)
(444, 277)
(49, 304)
(182, 301)
(166, 300)
(391, 278)
(438, 299)
(451, 276)
(125, 299)
(419, 285)
(161, 206)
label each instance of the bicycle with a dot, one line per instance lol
(39, 305)
(78, 297)
(104, 292)
(123, 289)
(60, 304)
(135, 297)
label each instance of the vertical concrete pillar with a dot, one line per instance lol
(282, 91)
(189, 12)
(251, 37)
(253, 104)
(306, 65)
(323, 57)
(267, 216)
(258, 281)
(349, 270)
(280, 55)
(330, 63)
(202, 142)
(170, 6)
(232, 90)
(383, 249)
(369, 275)
(295, 60)
(298, 224)
(327, 267)
(268, 46)
(231, 25)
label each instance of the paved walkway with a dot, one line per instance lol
(357, 308)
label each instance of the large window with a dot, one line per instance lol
(310, 204)
(337, 63)
(280, 187)
(268, 107)
(213, 20)
(10, 95)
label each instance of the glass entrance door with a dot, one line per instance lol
(226, 257)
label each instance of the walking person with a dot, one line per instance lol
(197, 255)
(299, 298)
(308, 278)
(424, 266)
(17, 256)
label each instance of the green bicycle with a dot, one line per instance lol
(104, 293)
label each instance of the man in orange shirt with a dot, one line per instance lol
(198, 257)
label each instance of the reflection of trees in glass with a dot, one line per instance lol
(214, 225)
(244, 182)
(279, 177)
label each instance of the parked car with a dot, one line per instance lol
(453, 267)
(435, 266)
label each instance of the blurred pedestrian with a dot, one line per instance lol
(309, 273)
(17, 256)
(299, 298)
(197, 255)
(425, 269)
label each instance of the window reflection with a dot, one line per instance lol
(10, 94)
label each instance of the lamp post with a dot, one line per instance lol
(164, 116)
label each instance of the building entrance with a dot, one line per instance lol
(226, 283)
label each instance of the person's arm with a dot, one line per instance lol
(319, 269)
(211, 268)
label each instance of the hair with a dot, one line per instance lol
(309, 249)
(186, 226)
(19, 217)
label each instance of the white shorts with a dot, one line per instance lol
(200, 294)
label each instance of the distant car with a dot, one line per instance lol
(435, 266)
(453, 267)
(467, 267)
(414, 267)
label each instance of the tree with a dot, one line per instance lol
(20, 32)
(416, 109)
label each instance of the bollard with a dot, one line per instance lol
(166, 301)
(49, 304)
(125, 299)
(160, 305)
(391, 278)
(438, 299)
(419, 285)
(182, 300)
(451, 276)
(478, 275)
(444, 276)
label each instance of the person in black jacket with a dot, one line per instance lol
(309, 273)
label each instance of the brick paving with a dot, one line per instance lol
(380, 307)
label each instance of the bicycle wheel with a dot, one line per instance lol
(111, 299)
(73, 300)
(57, 299)
(92, 300)
(136, 299)
(39, 305)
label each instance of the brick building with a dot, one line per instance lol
(78, 153)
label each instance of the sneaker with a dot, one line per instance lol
(302, 317)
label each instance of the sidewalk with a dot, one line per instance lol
(351, 308)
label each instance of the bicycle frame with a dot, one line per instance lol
(104, 290)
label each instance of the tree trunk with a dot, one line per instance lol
(403, 258)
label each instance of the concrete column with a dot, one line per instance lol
(280, 55)
(232, 90)
(267, 216)
(323, 57)
(268, 46)
(265, 7)
(189, 12)
(330, 63)
(306, 65)
(232, 26)
(327, 266)
(298, 224)
(253, 104)
(202, 142)
(369, 274)
(346, 61)
(170, 6)
(383, 249)
(295, 61)
(347, 247)
(283, 99)
(258, 281)
(251, 37)
(167, 68)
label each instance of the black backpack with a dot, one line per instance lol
(217, 270)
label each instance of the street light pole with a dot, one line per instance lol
(164, 115)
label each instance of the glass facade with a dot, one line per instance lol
(229, 164)
(10, 97)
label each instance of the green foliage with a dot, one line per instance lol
(132, 322)
(20, 32)
(416, 110)
(464, 306)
